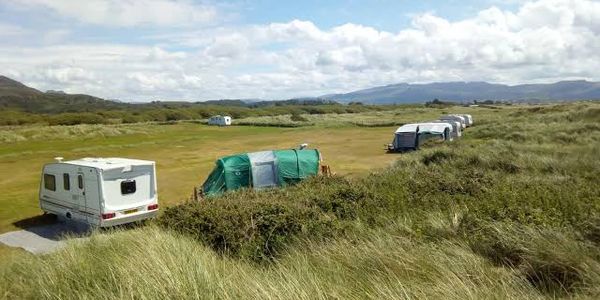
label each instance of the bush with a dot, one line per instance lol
(76, 118)
(297, 118)
(248, 224)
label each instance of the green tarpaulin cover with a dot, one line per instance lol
(280, 167)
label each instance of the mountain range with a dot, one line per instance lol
(15, 95)
(472, 91)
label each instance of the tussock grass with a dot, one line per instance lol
(10, 134)
(150, 263)
(395, 117)
(510, 210)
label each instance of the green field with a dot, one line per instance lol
(184, 152)
(511, 210)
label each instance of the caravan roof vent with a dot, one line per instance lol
(58, 159)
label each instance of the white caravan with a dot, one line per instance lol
(463, 122)
(410, 136)
(456, 127)
(220, 120)
(435, 130)
(468, 119)
(100, 191)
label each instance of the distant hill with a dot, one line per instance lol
(470, 91)
(15, 95)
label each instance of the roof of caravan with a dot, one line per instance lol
(424, 127)
(434, 127)
(407, 128)
(108, 162)
(452, 117)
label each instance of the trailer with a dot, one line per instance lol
(468, 119)
(101, 192)
(461, 119)
(456, 127)
(411, 136)
(220, 120)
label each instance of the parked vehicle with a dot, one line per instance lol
(461, 119)
(456, 127)
(100, 191)
(410, 136)
(468, 119)
(220, 120)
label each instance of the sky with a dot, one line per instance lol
(146, 50)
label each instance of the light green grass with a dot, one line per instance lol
(184, 152)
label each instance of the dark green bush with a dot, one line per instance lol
(76, 118)
(297, 118)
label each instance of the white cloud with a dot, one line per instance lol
(130, 12)
(545, 40)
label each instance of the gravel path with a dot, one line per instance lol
(44, 239)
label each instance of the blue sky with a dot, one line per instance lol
(197, 50)
(388, 15)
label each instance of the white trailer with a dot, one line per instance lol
(220, 120)
(461, 119)
(101, 192)
(410, 136)
(468, 119)
(456, 127)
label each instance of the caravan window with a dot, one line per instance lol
(127, 187)
(50, 182)
(80, 181)
(66, 182)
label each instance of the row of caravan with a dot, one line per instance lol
(112, 191)
(447, 128)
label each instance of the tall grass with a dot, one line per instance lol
(509, 211)
(150, 263)
(11, 134)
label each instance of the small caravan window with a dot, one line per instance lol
(50, 182)
(66, 182)
(80, 181)
(127, 187)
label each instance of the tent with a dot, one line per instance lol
(262, 170)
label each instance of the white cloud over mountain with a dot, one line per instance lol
(545, 40)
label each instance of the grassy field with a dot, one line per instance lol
(512, 210)
(184, 152)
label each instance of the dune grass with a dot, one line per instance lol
(512, 210)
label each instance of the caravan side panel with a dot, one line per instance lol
(63, 193)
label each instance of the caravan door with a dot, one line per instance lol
(88, 182)
(79, 212)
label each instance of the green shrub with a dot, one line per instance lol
(76, 118)
(298, 118)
